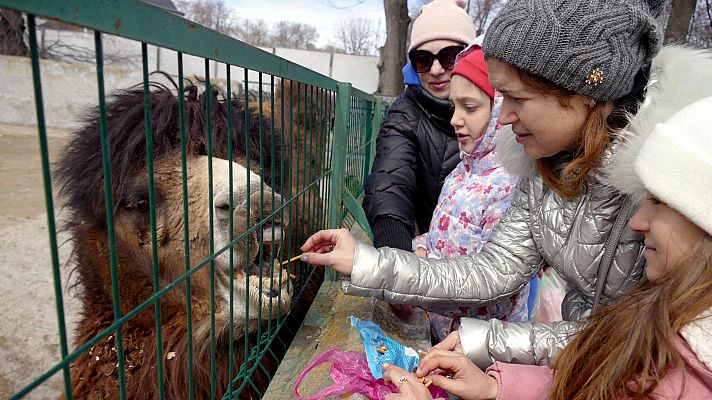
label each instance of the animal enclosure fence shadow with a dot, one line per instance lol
(184, 200)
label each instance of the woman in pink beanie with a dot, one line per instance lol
(416, 146)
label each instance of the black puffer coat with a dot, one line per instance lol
(416, 150)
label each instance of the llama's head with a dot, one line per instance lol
(256, 218)
(258, 291)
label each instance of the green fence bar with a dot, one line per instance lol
(51, 227)
(330, 128)
(186, 231)
(211, 240)
(338, 162)
(106, 168)
(152, 217)
(231, 224)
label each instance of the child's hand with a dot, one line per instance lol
(420, 252)
(409, 386)
(450, 343)
(458, 375)
(331, 247)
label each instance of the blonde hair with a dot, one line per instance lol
(634, 339)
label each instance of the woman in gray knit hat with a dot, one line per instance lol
(570, 72)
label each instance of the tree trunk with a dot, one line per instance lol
(678, 25)
(12, 30)
(393, 52)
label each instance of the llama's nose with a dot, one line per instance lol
(272, 232)
(221, 204)
(266, 208)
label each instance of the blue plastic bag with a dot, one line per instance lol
(372, 337)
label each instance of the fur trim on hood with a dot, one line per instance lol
(511, 155)
(679, 76)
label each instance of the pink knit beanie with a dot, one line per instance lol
(442, 19)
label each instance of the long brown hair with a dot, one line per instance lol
(596, 135)
(634, 339)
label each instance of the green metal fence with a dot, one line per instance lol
(326, 130)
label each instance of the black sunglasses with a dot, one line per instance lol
(422, 60)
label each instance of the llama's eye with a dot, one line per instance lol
(142, 206)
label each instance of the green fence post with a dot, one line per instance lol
(342, 111)
(370, 110)
(375, 128)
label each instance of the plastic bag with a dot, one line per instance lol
(351, 374)
(551, 290)
(372, 337)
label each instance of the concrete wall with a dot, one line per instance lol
(70, 88)
(361, 71)
(67, 90)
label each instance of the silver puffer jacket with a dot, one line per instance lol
(538, 227)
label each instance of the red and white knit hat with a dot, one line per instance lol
(472, 66)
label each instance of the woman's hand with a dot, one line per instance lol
(331, 247)
(408, 384)
(450, 343)
(458, 375)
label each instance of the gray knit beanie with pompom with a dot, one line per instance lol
(591, 47)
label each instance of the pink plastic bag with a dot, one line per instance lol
(351, 374)
(550, 294)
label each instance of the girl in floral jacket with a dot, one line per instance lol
(475, 194)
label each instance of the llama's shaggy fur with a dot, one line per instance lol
(94, 373)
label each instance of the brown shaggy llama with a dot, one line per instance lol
(79, 171)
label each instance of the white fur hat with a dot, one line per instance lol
(679, 77)
(675, 162)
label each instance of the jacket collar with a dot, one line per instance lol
(511, 155)
(431, 105)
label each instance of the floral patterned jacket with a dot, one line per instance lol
(474, 197)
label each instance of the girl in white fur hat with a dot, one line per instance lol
(655, 342)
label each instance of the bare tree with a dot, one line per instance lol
(12, 33)
(254, 32)
(356, 35)
(701, 26)
(483, 11)
(294, 35)
(214, 14)
(393, 52)
(678, 25)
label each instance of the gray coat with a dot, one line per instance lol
(539, 227)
